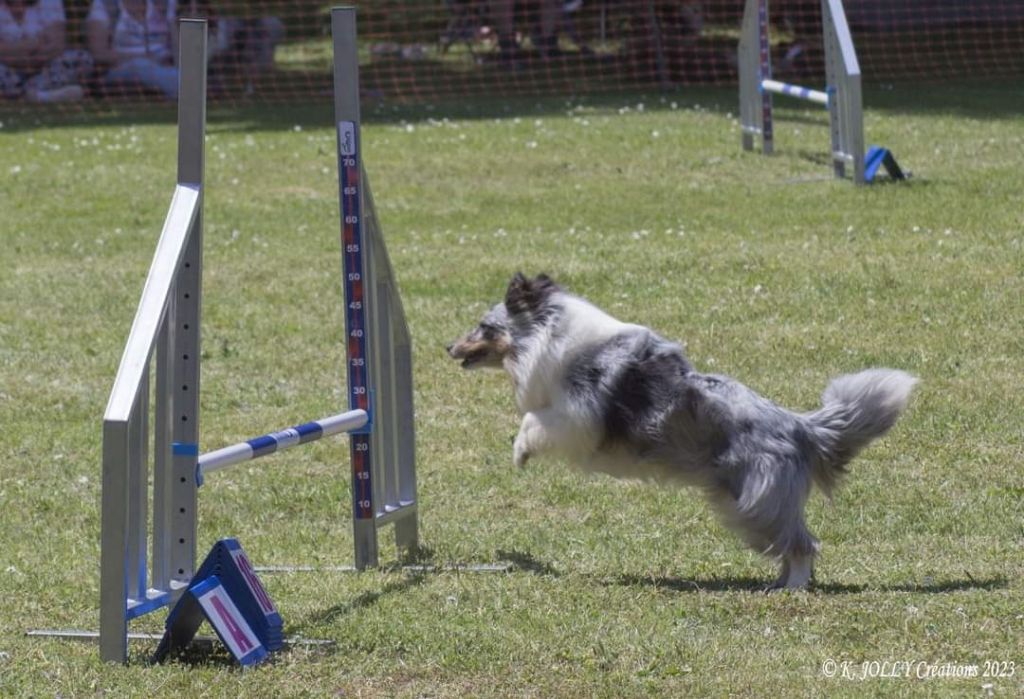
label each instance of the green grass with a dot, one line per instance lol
(765, 267)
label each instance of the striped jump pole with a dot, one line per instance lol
(279, 441)
(796, 91)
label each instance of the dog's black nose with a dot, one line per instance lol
(448, 349)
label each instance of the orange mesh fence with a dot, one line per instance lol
(269, 51)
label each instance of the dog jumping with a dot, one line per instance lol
(617, 398)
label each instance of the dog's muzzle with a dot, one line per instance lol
(469, 356)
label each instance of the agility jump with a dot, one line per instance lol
(136, 579)
(842, 96)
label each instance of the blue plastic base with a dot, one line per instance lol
(878, 157)
(226, 592)
(154, 600)
(208, 600)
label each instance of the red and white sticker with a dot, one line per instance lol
(255, 586)
(231, 625)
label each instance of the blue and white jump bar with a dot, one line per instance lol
(278, 441)
(803, 93)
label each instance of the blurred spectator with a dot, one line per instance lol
(239, 49)
(802, 19)
(546, 37)
(133, 39)
(33, 58)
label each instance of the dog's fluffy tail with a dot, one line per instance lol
(856, 410)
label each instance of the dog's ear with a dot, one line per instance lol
(517, 294)
(518, 281)
(528, 295)
(545, 285)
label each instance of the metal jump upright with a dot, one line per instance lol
(379, 347)
(842, 95)
(135, 579)
(167, 321)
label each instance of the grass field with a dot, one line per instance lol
(766, 268)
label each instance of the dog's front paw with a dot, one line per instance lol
(520, 453)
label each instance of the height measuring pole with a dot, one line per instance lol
(354, 266)
(765, 56)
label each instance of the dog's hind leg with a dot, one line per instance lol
(773, 525)
(797, 559)
(796, 573)
(541, 431)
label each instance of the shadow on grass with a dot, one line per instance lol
(748, 584)
(726, 584)
(936, 587)
(524, 561)
(202, 651)
(419, 554)
(366, 599)
(209, 651)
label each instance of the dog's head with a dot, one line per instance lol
(492, 340)
(487, 344)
